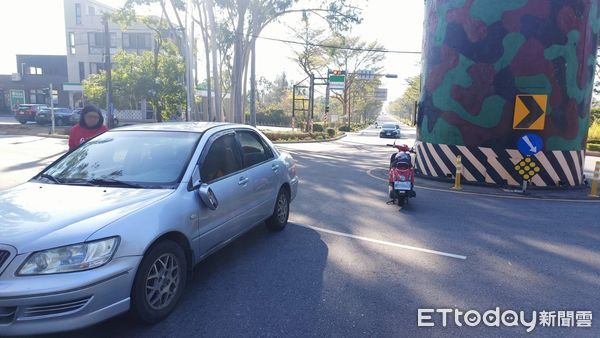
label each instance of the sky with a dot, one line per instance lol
(37, 27)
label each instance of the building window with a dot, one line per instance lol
(137, 41)
(96, 42)
(78, 14)
(81, 71)
(35, 71)
(37, 96)
(96, 67)
(71, 43)
(91, 10)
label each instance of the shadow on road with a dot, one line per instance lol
(250, 287)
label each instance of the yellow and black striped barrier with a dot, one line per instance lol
(595, 179)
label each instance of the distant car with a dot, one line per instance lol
(27, 112)
(390, 130)
(62, 116)
(77, 113)
(127, 215)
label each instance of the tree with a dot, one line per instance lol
(404, 106)
(138, 77)
(310, 56)
(351, 54)
(94, 89)
(247, 19)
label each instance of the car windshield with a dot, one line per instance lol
(149, 159)
(389, 126)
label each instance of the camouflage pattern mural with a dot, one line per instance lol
(478, 56)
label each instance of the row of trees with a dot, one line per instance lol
(404, 106)
(229, 29)
(153, 76)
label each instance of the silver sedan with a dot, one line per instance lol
(118, 223)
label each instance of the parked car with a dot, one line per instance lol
(390, 130)
(27, 112)
(77, 113)
(62, 116)
(125, 217)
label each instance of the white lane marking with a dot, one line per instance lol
(367, 239)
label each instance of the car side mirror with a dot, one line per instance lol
(208, 197)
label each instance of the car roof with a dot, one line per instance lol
(194, 127)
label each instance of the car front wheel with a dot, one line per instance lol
(279, 218)
(159, 282)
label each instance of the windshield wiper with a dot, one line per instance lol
(113, 182)
(51, 178)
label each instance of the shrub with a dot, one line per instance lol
(331, 132)
(593, 147)
(345, 128)
(594, 133)
(595, 115)
(318, 127)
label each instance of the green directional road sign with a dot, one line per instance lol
(337, 81)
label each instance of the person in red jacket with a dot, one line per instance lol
(91, 124)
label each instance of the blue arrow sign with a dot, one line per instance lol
(530, 144)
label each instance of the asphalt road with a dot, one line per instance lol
(350, 265)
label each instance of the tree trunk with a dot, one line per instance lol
(209, 5)
(239, 52)
(204, 30)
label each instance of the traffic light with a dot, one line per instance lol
(338, 72)
(326, 109)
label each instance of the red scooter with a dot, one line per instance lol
(401, 175)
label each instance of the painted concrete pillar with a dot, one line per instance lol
(497, 74)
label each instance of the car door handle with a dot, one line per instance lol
(275, 167)
(243, 180)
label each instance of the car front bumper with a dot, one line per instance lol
(62, 302)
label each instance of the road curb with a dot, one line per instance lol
(311, 141)
(506, 195)
(66, 137)
(592, 153)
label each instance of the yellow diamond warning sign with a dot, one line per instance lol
(530, 112)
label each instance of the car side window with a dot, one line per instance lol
(254, 150)
(221, 159)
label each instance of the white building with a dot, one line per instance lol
(84, 33)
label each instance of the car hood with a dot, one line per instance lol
(35, 216)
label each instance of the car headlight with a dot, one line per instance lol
(71, 258)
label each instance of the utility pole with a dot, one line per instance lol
(52, 109)
(108, 69)
(253, 85)
(188, 38)
(327, 98)
(311, 104)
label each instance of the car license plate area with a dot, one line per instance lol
(399, 185)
